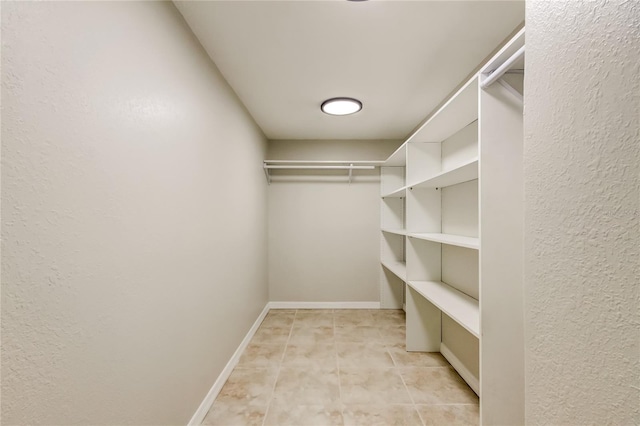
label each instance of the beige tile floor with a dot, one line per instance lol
(340, 367)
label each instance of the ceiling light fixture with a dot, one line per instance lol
(341, 106)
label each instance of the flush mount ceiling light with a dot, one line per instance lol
(341, 106)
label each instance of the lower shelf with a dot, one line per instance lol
(398, 268)
(463, 371)
(457, 305)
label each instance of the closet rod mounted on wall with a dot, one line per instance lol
(502, 69)
(319, 165)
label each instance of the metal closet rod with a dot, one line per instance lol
(319, 165)
(322, 162)
(267, 166)
(502, 69)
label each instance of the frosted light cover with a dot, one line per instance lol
(341, 106)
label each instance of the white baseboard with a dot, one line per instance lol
(206, 404)
(468, 377)
(324, 305)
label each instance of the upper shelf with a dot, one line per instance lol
(466, 172)
(398, 158)
(394, 231)
(452, 240)
(461, 308)
(460, 110)
(398, 193)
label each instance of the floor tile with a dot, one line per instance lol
(310, 354)
(223, 414)
(271, 335)
(357, 333)
(302, 386)
(262, 355)
(340, 367)
(313, 319)
(250, 386)
(381, 415)
(402, 358)
(311, 335)
(307, 415)
(372, 386)
(278, 321)
(363, 354)
(354, 312)
(440, 385)
(352, 318)
(388, 314)
(277, 312)
(438, 415)
(314, 312)
(395, 335)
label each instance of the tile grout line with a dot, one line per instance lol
(273, 390)
(335, 349)
(413, 402)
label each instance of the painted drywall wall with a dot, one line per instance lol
(581, 171)
(133, 215)
(324, 233)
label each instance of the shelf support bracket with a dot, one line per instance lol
(511, 90)
(350, 172)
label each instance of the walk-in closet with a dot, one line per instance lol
(331, 212)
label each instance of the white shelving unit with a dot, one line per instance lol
(451, 234)
(393, 272)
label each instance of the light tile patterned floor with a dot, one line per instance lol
(340, 367)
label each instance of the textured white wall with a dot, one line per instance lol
(133, 215)
(582, 229)
(324, 234)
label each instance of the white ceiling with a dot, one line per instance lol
(400, 58)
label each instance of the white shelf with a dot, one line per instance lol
(398, 193)
(398, 158)
(452, 240)
(457, 305)
(398, 268)
(460, 110)
(394, 231)
(464, 173)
